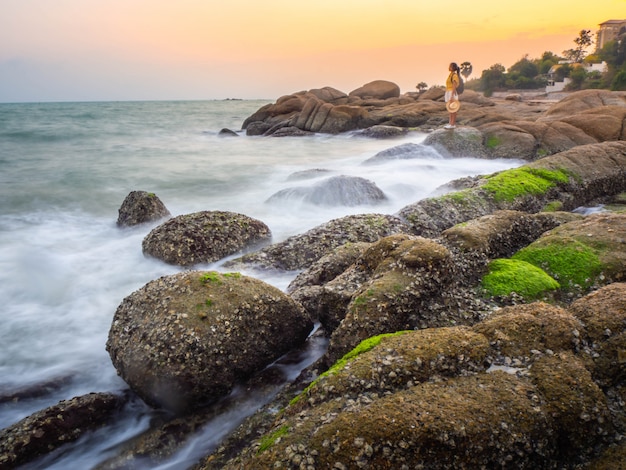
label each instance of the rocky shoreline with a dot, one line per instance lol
(483, 327)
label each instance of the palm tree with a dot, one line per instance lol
(466, 69)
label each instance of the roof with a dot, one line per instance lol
(613, 22)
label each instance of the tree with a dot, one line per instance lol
(492, 79)
(583, 41)
(525, 68)
(619, 81)
(466, 69)
(421, 86)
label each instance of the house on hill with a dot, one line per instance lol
(609, 31)
(555, 85)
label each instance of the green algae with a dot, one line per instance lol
(569, 261)
(508, 185)
(506, 276)
(269, 440)
(362, 347)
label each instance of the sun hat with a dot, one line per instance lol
(453, 106)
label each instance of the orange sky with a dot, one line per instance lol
(206, 49)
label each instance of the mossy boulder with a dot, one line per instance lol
(185, 340)
(507, 276)
(204, 237)
(582, 254)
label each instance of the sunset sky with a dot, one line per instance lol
(90, 50)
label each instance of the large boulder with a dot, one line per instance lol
(140, 207)
(378, 89)
(186, 339)
(204, 237)
(339, 190)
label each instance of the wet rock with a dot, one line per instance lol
(185, 340)
(204, 237)
(53, 427)
(571, 179)
(140, 207)
(460, 142)
(335, 191)
(403, 152)
(299, 251)
(382, 132)
(227, 133)
(513, 390)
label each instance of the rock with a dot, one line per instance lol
(378, 89)
(348, 191)
(49, 429)
(140, 207)
(571, 179)
(185, 340)
(585, 100)
(383, 132)
(603, 315)
(404, 152)
(508, 141)
(433, 398)
(582, 254)
(513, 97)
(461, 142)
(299, 251)
(227, 133)
(399, 276)
(204, 237)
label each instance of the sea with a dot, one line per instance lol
(65, 265)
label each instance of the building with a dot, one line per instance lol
(609, 31)
(556, 86)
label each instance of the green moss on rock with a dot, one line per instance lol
(569, 261)
(506, 276)
(507, 186)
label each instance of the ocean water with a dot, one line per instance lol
(65, 169)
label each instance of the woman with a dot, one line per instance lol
(451, 83)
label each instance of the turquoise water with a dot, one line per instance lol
(65, 266)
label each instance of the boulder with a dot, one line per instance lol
(512, 391)
(378, 89)
(404, 152)
(460, 142)
(383, 132)
(140, 207)
(348, 191)
(185, 340)
(299, 251)
(584, 100)
(204, 237)
(583, 254)
(53, 427)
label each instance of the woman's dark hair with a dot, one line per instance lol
(455, 67)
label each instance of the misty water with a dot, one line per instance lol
(65, 266)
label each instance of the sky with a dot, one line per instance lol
(109, 50)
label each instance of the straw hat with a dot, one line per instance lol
(453, 106)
